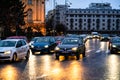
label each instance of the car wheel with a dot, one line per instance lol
(27, 55)
(14, 58)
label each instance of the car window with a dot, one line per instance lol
(116, 40)
(52, 40)
(44, 39)
(7, 43)
(19, 44)
(23, 42)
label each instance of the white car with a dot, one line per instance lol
(14, 49)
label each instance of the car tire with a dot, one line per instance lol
(27, 55)
(14, 58)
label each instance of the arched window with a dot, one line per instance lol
(29, 1)
(30, 13)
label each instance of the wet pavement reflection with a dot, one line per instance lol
(99, 64)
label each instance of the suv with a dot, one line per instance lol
(14, 49)
(70, 47)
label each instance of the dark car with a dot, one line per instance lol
(70, 47)
(114, 45)
(43, 45)
(105, 37)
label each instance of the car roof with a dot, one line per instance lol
(12, 39)
(70, 38)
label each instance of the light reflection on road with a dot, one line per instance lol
(45, 67)
(9, 72)
(32, 67)
(113, 67)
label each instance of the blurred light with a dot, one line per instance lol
(9, 73)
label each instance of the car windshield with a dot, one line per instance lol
(70, 41)
(7, 43)
(116, 40)
(44, 39)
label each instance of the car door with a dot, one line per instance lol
(19, 49)
(25, 48)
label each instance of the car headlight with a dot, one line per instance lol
(32, 46)
(46, 46)
(74, 49)
(57, 48)
(7, 52)
(114, 46)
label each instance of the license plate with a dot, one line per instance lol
(64, 51)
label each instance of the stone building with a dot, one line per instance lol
(36, 13)
(97, 17)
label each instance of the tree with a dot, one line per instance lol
(60, 29)
(12, 15)
(49, 25)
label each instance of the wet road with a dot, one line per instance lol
(98, 65)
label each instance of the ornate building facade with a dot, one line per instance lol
(35, 13)
(98, 17)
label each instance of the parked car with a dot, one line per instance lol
(114, 45)
(43, 45)
(70, 47)
(14, 49)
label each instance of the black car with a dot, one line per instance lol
(105, 37)
(114, 45)
(70, 47)
(44, 45)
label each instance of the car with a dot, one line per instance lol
(58, 39)
(105, 37)
(33, 40)
(43, 45)
(70, 47)
(14, 49)
(114, 45)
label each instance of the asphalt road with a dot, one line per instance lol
(99, 64)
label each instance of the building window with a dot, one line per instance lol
(30, 13)
(29, 1)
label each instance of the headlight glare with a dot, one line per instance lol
(74, 49)
(7, 52)
(113, 45)
(32, 46)
(46, 46)
(57, 48)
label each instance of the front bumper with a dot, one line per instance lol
(69, 53)
(42, 50)
(115, 49)
(5, 57)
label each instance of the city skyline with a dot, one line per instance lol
(81, 3)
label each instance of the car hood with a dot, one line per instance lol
(67, 46)
(41, 44)
(2, 49)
